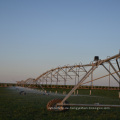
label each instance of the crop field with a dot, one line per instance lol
(32, 106)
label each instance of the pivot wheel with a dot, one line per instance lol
(52, 105)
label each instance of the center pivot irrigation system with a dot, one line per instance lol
(82, 75)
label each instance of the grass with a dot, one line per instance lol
(31, 106)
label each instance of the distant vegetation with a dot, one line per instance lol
(59, 86)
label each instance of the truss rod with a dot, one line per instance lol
(117, 64)
(66, 73)
(72, 68)
(110, 73)
(98, 78)
(114, 68)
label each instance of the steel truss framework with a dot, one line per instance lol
(78, 74)
(75, 74)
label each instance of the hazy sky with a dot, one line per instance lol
(37, 35)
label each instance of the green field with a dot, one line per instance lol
(32, 106)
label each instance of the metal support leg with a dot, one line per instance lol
(84, 78)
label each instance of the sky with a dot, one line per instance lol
(37, 35)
